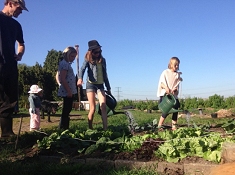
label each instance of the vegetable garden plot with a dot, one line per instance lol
(143, 142)
(139, 142)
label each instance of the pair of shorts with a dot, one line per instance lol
(94, 87)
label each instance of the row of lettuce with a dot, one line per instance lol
(176, 145)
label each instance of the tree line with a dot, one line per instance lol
(42, 75)
(215, 101)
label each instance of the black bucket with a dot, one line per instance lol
(214, 115)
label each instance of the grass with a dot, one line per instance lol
(33, 166)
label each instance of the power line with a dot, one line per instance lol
(118, 93)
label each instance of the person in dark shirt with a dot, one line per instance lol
(11, 32)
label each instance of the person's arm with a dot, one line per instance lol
(57, 78)
(163, 83)
(106, 79)
(63, 81)
(175, 89)
(81, 73)
(32, 105)
(163, 86)
(20, 53)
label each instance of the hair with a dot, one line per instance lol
(67, 51)
(7, 1)
(172, 60)
(89, 58)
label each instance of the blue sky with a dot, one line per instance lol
(138, 38)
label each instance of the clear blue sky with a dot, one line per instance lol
(138, 38)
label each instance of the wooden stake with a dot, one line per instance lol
(17, 138)
(77, 57)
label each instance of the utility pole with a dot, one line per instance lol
(118, 93)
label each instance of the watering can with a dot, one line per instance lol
(167, 104)
(111, 103)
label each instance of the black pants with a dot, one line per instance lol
(8, 91)
(67, 108)
(8, 97)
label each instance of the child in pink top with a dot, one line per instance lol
(169, 84)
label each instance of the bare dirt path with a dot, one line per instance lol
(224, 169)
(55, 119)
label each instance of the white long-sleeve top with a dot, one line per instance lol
(171, 80)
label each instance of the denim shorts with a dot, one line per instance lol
(94, 87)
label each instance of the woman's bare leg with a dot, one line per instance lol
(91, 99)
(102, 101)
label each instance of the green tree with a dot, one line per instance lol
(52, 60)
(37, 71)
(182, 104)
(190, 103)
(24, 74)
(23, 84)
(217, 101)
(200, 103)
(230, 102)
(50, 87)
(50, 68)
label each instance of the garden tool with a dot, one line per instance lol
(111, 103)
(167, 104)
(18, 135)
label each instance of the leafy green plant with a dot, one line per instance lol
(191, 142)
(229, 127)
(151, 126)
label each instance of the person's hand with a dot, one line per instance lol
(174, 90)
(168, 91)
(18, 57)
(109, 92)
(33, 111)
(79, 82)
(69, 94)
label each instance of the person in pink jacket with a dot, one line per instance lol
(169, 84)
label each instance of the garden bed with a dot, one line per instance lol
(145, 153)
